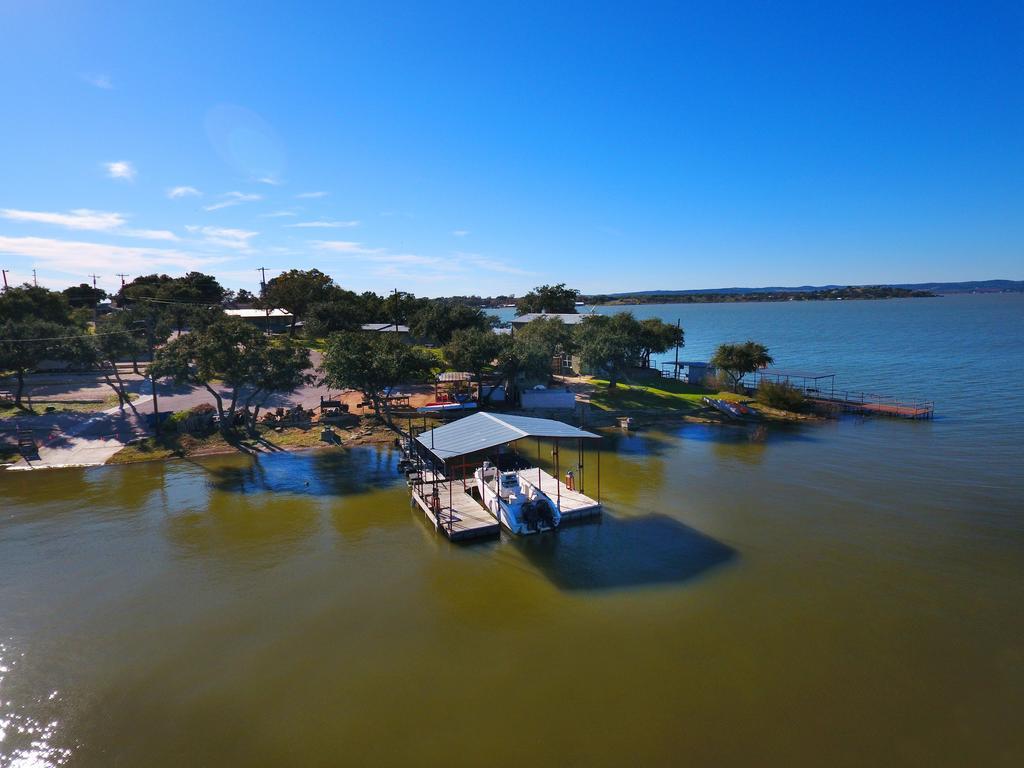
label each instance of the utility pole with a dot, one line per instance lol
(35, 282)
(149, 329)
(678, 325)
(96, 304)
(5, 271)
(263, 290)
(122, 275)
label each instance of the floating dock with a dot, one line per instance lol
(459, 515)
(443, 460)
(572, 505)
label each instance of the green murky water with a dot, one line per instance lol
(846, 593)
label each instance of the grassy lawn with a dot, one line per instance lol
(39, 406)
(177, 446)
(660, 394)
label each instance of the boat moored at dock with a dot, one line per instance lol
(470, 481)
(515, 502)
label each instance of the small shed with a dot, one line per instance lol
(696, 372)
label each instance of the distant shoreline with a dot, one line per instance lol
(835, 294)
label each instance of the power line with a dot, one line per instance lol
(61, 338)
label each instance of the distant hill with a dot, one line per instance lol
(970, 286)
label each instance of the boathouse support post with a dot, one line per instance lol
(538, 464)
(558, 480)
(599, 473)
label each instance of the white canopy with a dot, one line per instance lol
(487, 430)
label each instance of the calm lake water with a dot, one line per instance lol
(845, 593)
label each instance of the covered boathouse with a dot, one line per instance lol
(444, 459)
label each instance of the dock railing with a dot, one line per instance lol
(856, 401)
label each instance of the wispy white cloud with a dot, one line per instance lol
(278, 214)
(79, 218)
(490, 264)
(121, 169)
(176, 192)
(460, 232)
(88, 220)
(343, 246)
(98, 81)
(232, 198)
(81, 258)
(456, 268)
(149, 234)
(311, 195)
(224, 237)
(271, 180)
(324, 224)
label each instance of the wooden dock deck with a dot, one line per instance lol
(460, 517)
(573, 506)
(877, 407)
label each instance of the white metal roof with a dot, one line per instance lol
(569, 318)
(486, 430)
(256, 313)
(386, 327)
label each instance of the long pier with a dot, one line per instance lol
(873, 405)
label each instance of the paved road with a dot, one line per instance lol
(81, 439)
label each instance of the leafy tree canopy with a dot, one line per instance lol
(84, 295)
(549, 298)
(438, 319)
(550, 333)
(27, 341)
(610, 344)
(34, 302)
(371, 362)
(473, 350)
(295, 291)
(656, 337)
(737, 360)
(234, 352)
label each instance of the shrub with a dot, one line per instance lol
(781, 395)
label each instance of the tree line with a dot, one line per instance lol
(225, 354)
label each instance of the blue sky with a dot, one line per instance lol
(446, 148)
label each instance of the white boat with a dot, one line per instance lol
(448, 405)
(517, 503)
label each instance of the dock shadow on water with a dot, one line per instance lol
(340, 472)
(624, 553)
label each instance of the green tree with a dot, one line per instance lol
(340, 310)
(656, 336)
(522, 359)
(609, 344)
(370, 363)
(438, 319)
(737, 360)
(296, 291)
(229, 350)
(550, 333)
(283, 367)
(26, 342)
(26, 302)
(473, 350)
(84, 295)
(549, 298)
(116, 339)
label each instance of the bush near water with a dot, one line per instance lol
(781, 395)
